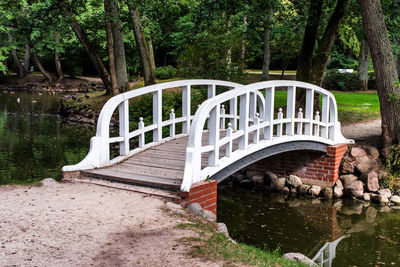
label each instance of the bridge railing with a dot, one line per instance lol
(99, 153)
(258, 127)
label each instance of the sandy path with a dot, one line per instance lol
(67, 224)
(362, 130)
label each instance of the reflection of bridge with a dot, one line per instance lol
(226, 133)
(327, 253)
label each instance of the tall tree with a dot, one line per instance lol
(57, 61)
(110, 48)
(385, 70)
(362, 71)
(313, 62)
(18, 66)
(144, 54)
(267, 51)
(118, 46)
(90, 50)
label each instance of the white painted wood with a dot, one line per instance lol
(309, 111)
(233, 111)
(317, 125)
(279, 123)
(229, 143)
(222, 115)
(253, 106)
(186, 108)
(214, 123)
(290, 109)
(141, 135)
(244, 120)
(300, 123)
(269, 112)
(256, 135)
(123, 109)
(172, 125)
(325, 116)
(211, 91)
(157, 115)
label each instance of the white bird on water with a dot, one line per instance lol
(18, 100)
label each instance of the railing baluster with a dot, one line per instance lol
(300, 123)
(213, 137)
(186, 108)
(332, 119)
(253, 105)
(325, 116)
(316, 126)
(123, 109)
(269, 112)
(172, 126)
(141, 135)
(233, 111)
(157, 115)
(229, 144)
(290, 109)
(309, 111)
(211, 91)
(256, 134)
(244, 121)
(222, 127)
(279, 126)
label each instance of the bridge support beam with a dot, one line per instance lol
(204, 193)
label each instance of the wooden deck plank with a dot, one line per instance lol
(151, 163)
(139, 170)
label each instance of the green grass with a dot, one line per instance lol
(254, 71)
(210, 245)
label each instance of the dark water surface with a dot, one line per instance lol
(34, 142)
(338, 233)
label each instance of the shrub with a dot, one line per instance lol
(165, 72)
(334, 80)
(393, 160)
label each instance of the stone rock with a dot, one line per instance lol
(347, 179)
(258, 179)
(48, 182)
(327, 192)
(278, 184)
(293, 181)
(246, 183)
(314, 190)
(365, 164)
(383, 200)
(339, 183)
(195, 208)
(298, 257)
(355, 208)
(395, 200)
(304, 189)
(385, 209)
(370, 214)
(356, 189)
(357, 152)
(270, 176)
(347, 167)
(373, 152)
(371, 181)
(223, 229)
(338, 204)
(210, 215)
(293, 191)
(366, 197)
(174, 207)
(285, 190)
(338, 191)
(237, 178)
(385, 193)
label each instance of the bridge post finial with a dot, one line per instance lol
(141, 136)
(172, 125)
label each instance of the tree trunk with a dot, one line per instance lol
(18, 66)
(27, 56)
(110, 48)
(325, 45)
(385, 70)
(119, 49)
(45, 73)
(90, 50)
(57, 58)
(151, 54)
(397, 42)
(149, 77)
(309, 41)
(243, 52)
(362, 71)
(267, 51)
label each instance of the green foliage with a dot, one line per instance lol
(165, 72)
(393, 160)
(333, 80)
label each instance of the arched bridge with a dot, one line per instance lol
(235, 126)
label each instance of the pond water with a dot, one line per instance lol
(333, 233)
(34, 142)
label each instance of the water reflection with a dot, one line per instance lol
(334, 233)
(34, 142)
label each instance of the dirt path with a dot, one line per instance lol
(363, 130)
(67, 224)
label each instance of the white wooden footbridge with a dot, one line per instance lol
(226, 132)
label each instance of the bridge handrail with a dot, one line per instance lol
(99, 152)
(325, 131)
